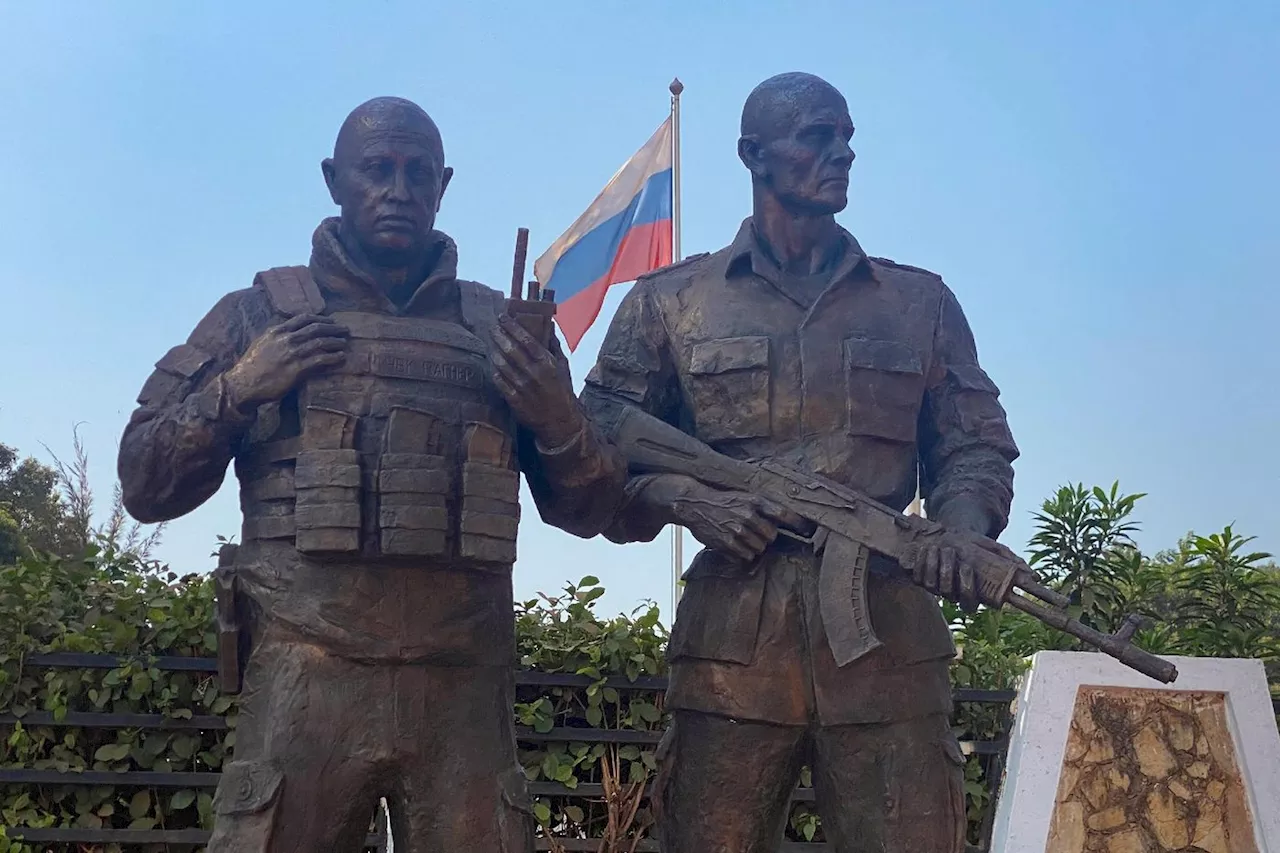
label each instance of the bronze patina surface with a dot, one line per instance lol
(794, 345)
(379, 412)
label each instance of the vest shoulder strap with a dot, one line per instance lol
(481, 307)
(291, 290)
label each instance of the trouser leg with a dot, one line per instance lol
(301, 780)
(727, 784)
(461, 786)
(891, 788)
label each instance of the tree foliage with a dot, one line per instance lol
(50, 509)
(33, 515)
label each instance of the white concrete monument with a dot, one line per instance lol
(1105, 760)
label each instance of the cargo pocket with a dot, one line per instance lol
(884, 385)
(415, 482)
(718, 617)
(517, 823)
(327, 482)
(490, 497)
(245, 807)
(729, 387)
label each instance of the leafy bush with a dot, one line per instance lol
(563, 634)
(106, 602)
(1210, 595)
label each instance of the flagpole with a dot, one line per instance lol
(677, 532)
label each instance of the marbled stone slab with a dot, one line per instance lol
(1150, 770)
(1104, 760)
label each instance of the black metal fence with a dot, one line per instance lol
(189, 838)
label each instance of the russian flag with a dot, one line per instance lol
(625, 233)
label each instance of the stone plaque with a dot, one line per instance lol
(1150, 770)
(1102, 760)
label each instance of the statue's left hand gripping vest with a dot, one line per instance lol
(406, 450)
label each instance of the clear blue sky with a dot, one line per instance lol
(1098, 182)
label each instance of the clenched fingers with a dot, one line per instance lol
(926, 568)
(521, 337)
(505, 387)
(514, 374)
(948, 561)
(968, 586)
(312, 331)
(762, 528)
(753, 540)
(319, 345)
(511, 352)
(320, 361)
(791, 520)
(744, 545)
(295, 323)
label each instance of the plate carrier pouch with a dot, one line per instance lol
(404, 450)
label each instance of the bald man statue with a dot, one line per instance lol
(793, 345)
(379, 412)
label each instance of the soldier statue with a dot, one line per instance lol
(379, 412)
(793, 345)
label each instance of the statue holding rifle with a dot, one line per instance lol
(379, 412)
(790, 384)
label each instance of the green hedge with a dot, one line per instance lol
(106, 603)
(115, 603)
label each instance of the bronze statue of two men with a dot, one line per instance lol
(379, 412)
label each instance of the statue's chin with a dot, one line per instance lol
(826, 202)
(810, 208)
(393, 249)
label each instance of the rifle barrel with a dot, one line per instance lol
(1122, 650)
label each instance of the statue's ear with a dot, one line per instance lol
(330, 178)
(445, 177)
(751, 153)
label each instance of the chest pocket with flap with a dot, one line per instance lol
(729, 387)
(884, 385)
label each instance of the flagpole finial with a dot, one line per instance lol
(676, 87)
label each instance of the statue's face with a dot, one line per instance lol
(389, 187)
(805, 159)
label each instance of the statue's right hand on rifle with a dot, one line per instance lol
(282, 356)
(738, 524)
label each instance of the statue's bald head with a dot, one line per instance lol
(795, 141)
(388, 119)
(388, 175)
(779, 102)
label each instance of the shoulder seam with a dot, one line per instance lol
(896, 265)
(291, 290)
(184, 361)
(675, 265)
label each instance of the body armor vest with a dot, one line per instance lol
(406, 450)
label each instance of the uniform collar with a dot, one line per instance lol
(340, 277)
(746, 256)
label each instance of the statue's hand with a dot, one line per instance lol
(283, 355)
(739, 524)
(947, 565)
(535, 382)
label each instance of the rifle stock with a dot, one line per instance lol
(848, 520)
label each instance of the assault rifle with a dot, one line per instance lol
(849, 524)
